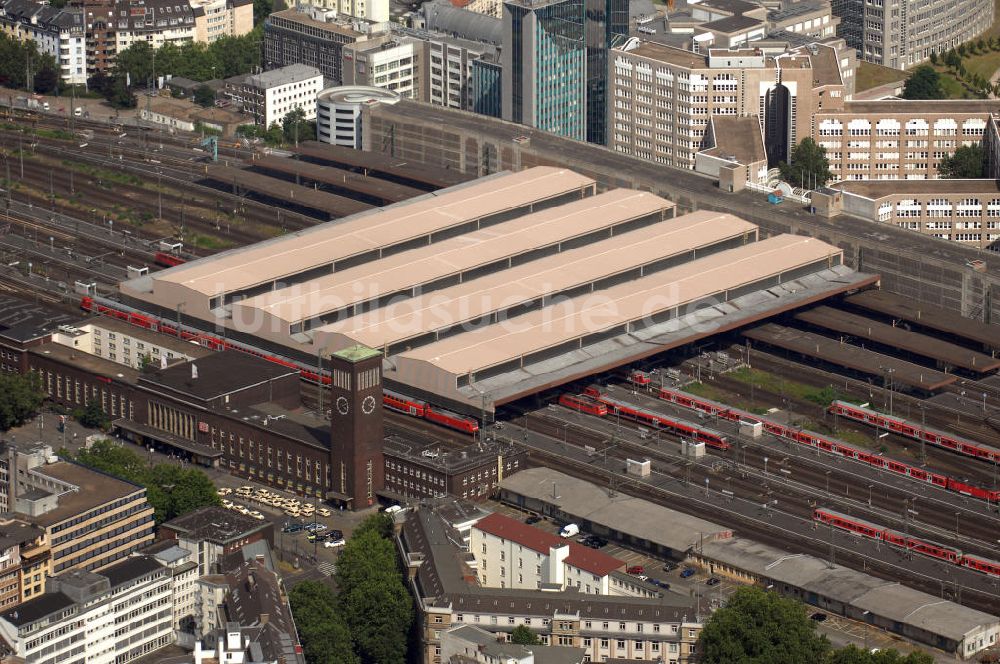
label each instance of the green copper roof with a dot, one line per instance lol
(357, 353)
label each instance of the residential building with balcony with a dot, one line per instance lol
(155, 22)
(390, 61)
(60, 33)
(214, 19)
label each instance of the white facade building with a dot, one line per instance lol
(510, 554)
(269, 96)
(126, 344)
(111, 617)
(386, 61)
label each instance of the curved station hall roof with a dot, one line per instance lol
(494, 289)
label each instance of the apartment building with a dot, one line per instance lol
(387, 61)
(90, 520)
(902, 33)
(312, 38)
(448, 64)
(214, 19)
(57, 32)
(23, 552)
(271, 95)
(664, 629)
(210, 533)
(897, 139)
(155, 22)
(662, 97)
(111, 617)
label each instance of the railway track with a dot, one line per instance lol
(799, 481)
(801, 540)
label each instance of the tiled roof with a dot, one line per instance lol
(582, 557)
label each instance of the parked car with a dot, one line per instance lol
(323, 512)
(329, 544)
(635, 570)
(642, 577)
(534, 518)
(712, 582)
(292, 527)
(315, 526)
(662, 584)
(687, 572)
(670, 567)
(818, 617)
(335, 535)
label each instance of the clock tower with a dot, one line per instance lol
(356, 465)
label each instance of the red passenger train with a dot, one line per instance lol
(164, 259)
(915, 431)
(657, 420)
(902, 540)
(397, 402)
(583, 403)
(827, 444)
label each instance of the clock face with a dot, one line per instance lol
(368, 405)
(343, 407)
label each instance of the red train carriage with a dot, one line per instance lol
(404, 404)
(915, 431)
(583, 403)
(658, 420)
(637, 377)
(845, 522)
(983, 565)
(874, 531)
(451, 420)
(164, 259)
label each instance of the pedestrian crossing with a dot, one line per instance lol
(326, 568)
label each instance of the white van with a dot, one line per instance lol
(45, 105)
(394, 510)
(78, 111)
(570, 530)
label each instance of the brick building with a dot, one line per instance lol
(209, 533)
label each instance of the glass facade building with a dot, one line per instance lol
(486, 88)
(545, 66)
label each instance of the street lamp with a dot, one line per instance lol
(765, 465)
(865, 616)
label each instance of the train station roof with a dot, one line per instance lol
(373, 234)
(452, 260)
(626, 256)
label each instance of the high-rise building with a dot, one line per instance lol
(607, 26)
(356, 460)
(545, 65)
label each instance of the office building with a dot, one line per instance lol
(662, 98)
(312, 38)
(268, 97)
(448, 65)
(210, 533)
(388, 61)
(109, 617)
(903, 33)
(90, 520)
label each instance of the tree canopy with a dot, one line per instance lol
(809, 168)
(923, 83)
(969, 161)
(170, 489)
(14, 58)
(20, 399)
(92, 415)
(325, 637)
(204, 96)
(758, 627)
(523, 635)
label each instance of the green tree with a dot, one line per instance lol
(20, 398)
(523, 635)
(295, 127)
(953, 59)
(46, 80)
(170, 489)
(204, 96)
(92, 416)
(969, 161)
(923, 83)
(325, 637)
(758, 627)
(261, 10)
(374, 601)
(933, 58)
(854, 655)
(809, 168)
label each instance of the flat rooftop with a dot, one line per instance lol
(21, 320)
(214, 524)
(621, 513)
(875, 189)
(90, 363)
(94, 489)
(667, 54)
(944, 107)
(219, 373)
